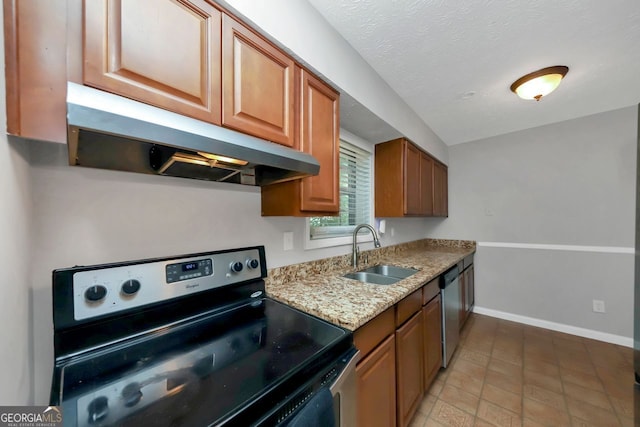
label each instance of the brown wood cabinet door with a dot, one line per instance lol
(258, 82)
(376, 376)
(389, 182)
(35, 68)
(319, 128)
(440, 189)
(470, 289)
(432, 317)
(426, 184)
(409, 368)
(412, 180)
(462, 312)
(166, 54)
(466, 294)
(319, 135)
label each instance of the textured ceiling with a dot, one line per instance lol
(453, 61)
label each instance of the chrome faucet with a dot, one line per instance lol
(376, 242)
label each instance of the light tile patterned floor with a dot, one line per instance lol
(508, 374)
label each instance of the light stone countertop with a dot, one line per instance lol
(318, 288)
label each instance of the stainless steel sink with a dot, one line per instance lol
(376, 279)
(381, 274)
(391, 270)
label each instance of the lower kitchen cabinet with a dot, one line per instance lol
(462, 313)
(402, 354)
(471, 288)
(409, 355)
(467, 289)
(376, 376)
(432, 316)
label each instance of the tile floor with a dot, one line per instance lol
(508, 374)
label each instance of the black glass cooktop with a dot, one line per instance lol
(205, 371)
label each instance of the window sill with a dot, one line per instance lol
(334, 241)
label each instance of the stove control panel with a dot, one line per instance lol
(189, 270)
(109, 290)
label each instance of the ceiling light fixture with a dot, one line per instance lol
(539, 83)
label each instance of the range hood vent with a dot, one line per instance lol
(112, 132)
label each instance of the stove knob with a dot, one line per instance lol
(131, 394)
(98, 410)
(252, 263)
(236, 267)
(130, 287)
(95, 293)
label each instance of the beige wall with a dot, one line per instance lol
(15, 263)
(568, 187)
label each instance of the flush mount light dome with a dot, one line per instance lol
(539, 83)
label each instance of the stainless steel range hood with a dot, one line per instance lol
(112, 132)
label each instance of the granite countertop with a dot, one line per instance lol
(318, 288)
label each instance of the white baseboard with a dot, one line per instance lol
(559, 327)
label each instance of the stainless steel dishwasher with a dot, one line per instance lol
(450, 289)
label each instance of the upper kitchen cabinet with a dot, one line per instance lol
(412, 180)
(427, 184)
(166, 54)
(440, 190)
(35, 69)
(258, 95)
(192, 59)
(319, 136)
(405, 181)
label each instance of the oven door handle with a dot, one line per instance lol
(345, 395)
(346, 374)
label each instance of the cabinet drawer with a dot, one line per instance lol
(430, 290)
(408, 307)
(369, 335)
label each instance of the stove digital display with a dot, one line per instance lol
(189, 266)
(189, 270)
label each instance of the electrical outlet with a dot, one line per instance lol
(393, 231)
(598, 306)
(288, 240)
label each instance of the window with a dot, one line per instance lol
(355, 198)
